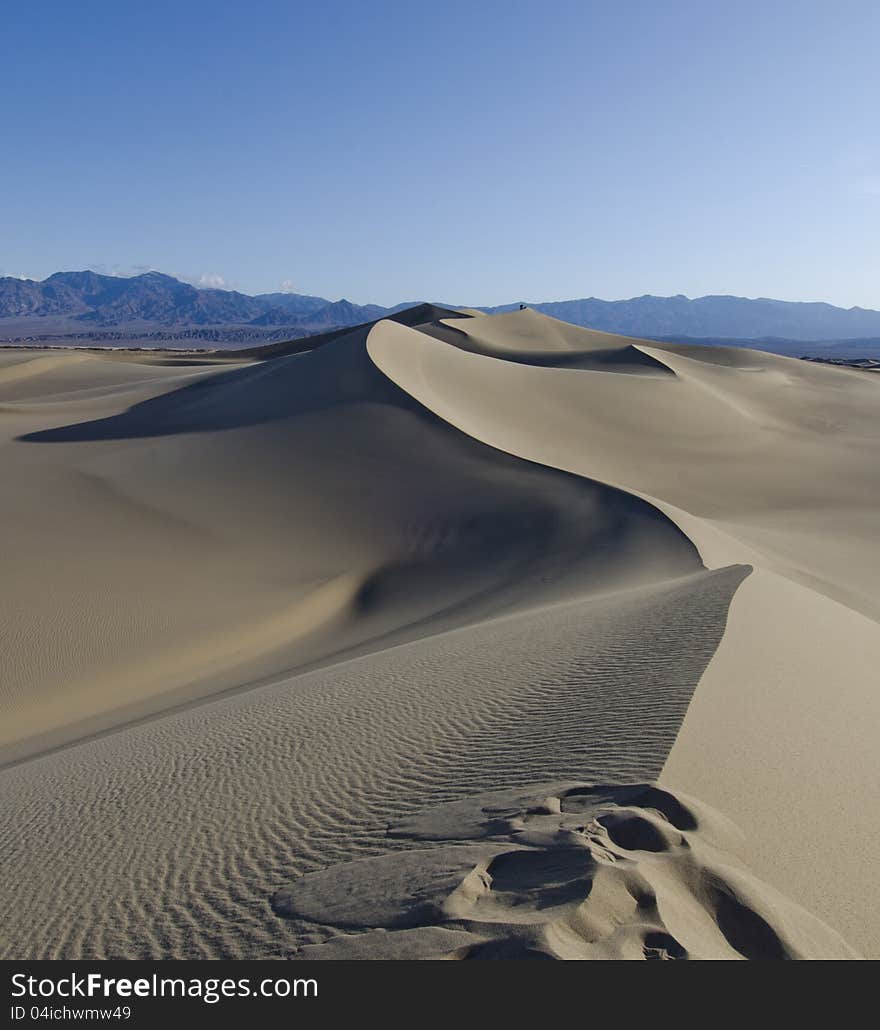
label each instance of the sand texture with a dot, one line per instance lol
(561, 871)
(272, 629)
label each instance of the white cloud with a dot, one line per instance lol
(211, 281)
(120, 271)
(288, 286)
(16, 275)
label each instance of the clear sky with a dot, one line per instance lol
(473, 152)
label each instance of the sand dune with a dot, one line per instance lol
(239, 523)
(253, 612)
(533, 339)
(762, 460)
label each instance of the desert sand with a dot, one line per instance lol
(455, 636)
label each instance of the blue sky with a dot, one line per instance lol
(473, 153)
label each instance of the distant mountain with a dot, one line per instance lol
(113, 302)
(70, 305)
(340, 313)
(715, 316)
(109, 300)
(274, 316)
(65, 293)
(297, 305)
(343, 312)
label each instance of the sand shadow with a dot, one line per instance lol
(265, 391)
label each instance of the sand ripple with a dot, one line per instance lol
(169, 839)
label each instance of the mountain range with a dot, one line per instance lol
(109, 301)
(91, 308)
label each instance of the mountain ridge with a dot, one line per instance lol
(86, 303)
